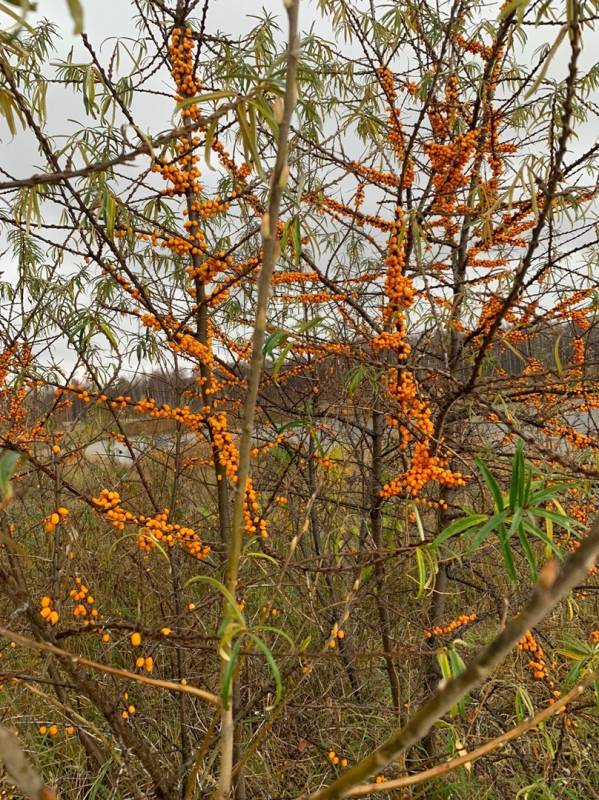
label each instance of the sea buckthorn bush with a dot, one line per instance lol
(299, 373)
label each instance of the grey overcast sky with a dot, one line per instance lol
(106, 19)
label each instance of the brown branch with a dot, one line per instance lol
(24, 776)
(271, 250)
(552, 586)
(443, 769)
(121, 673)
(145, 148)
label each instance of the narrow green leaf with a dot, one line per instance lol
(8, 461)
(556, 355)
(517, 476)
(523, 704)
(458, 526)
(229, 672)
(109, 211)
(491, 483)
(270, 660)
(548, 59)
(494, 523)
(421, 566)
(76, 10)
(528, 552)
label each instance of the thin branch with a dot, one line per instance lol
(271, 249)
(121, 673)
(553, 585)
(467, 758)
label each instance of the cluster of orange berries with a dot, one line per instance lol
(373, 176)
(448, 162)
(109, 502)
(209, 268)
(578, 507)
(52, 730)
(85, 602)
(179, 414)
(183, 175)
(595, 637)
(336, 760)
(314, 298)
(228, 456)
(145, 662)
(475, 47)
(189, 345)
(180, 49)
(292, 276)
(458, 622)
(578, 440)
(339, 634)
(538, 664)
(13, 396)
(578, 351)
(359, 195)
(398, 289)
(326, 462)
(507, 232)
(54, 519)
(402, 388)
(141, 662)
(395, 132)
(255, 524)
(130, 710)
(392, 340)
(158, 528)
(423, 468)
(47, 612)
(338, 210)
(401, 384)
(151, 529)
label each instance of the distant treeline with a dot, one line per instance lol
(553, 347)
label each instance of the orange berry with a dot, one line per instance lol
(135, 639)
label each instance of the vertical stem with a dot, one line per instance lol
(376, 527)
(271, 253)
